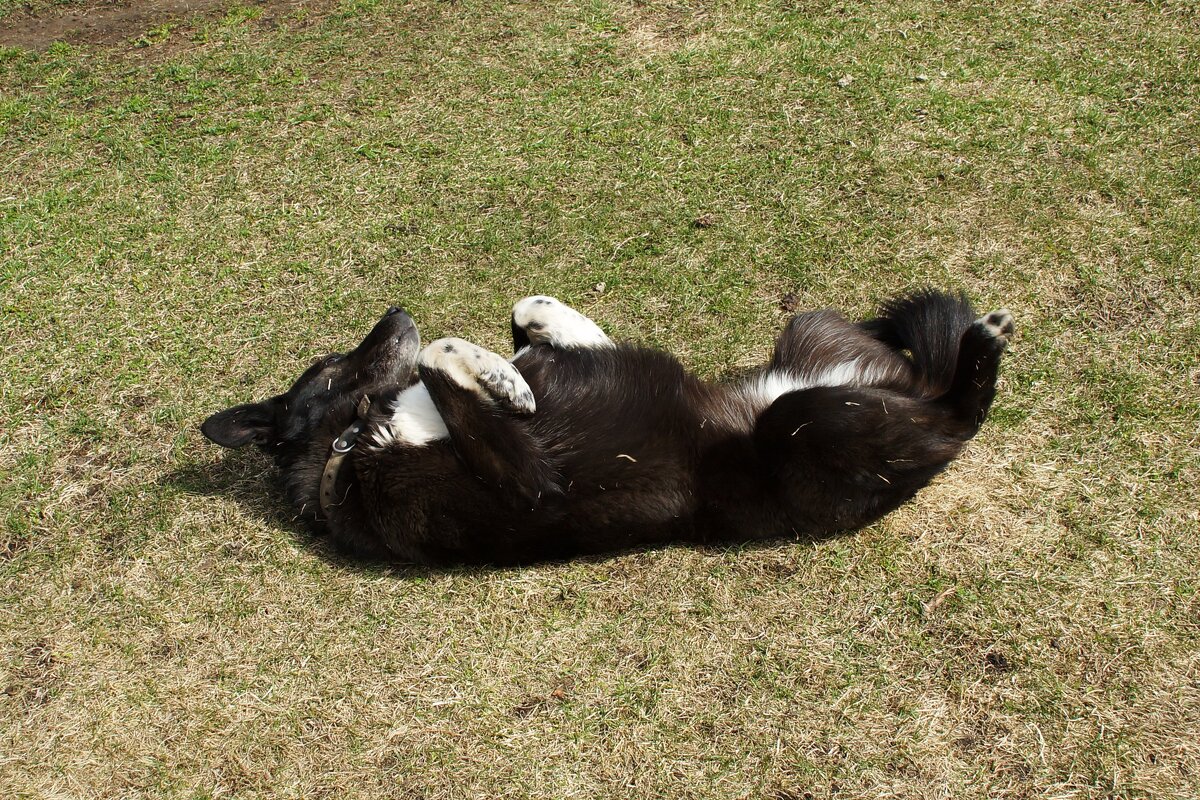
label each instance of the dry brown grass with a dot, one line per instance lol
(181, 229)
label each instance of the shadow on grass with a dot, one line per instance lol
(249, 479)
(254, 484)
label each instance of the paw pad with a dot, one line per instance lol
(480, 371)
(999, 323)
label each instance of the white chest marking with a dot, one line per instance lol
(415, 420)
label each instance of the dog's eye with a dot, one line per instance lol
(333, 359)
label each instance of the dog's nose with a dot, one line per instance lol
(393, 310)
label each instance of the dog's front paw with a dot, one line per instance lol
(546, 320)
(481, 371)
(506, 386)
(998, 324)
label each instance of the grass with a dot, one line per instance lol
(40, 7)
(183, 224)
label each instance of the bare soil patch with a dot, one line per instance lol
(108, 24)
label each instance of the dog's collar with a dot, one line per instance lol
(342, 446)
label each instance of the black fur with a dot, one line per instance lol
(626, 448)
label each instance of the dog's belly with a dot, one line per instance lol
(622, 426)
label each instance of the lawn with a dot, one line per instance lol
(189, 216)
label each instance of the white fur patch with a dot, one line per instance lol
(768, 387)
(546, 320)
(415, 420)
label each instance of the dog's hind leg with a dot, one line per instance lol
(544, 320)
(841, 457)
(481, 399)
(973, 386)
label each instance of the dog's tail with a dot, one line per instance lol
(930, 325)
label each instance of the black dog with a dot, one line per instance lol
(453, 454)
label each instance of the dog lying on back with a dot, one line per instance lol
(454, 454)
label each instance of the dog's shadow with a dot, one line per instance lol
(249, 479)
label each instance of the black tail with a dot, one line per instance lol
(930, 325)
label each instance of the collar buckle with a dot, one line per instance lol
(345, 443)
(341, 446)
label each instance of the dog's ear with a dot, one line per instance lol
(241, 425)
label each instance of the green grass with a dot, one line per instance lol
(20, 9)
(183, 224)
(8, 7)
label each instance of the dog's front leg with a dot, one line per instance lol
(544, 320)
(485, 402)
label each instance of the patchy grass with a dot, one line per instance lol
(185, 222)
(8, 7)
(38, 7)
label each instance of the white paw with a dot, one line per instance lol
(548, 321)
(999, 324)
(481, 371)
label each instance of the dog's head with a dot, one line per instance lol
(325, 397)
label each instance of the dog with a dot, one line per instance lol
(453, 454)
